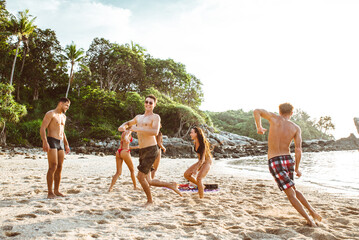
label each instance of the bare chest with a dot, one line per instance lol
(58, 121)
(145, 121)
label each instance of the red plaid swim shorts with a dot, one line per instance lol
(282, 169)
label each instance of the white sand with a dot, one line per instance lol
(242, 209)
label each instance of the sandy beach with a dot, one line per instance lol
(243, 208)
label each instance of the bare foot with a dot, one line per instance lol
(51, 196)
(110, 189)
(148, 205)
(316, 216)
(59, 194)
(312, 223)
(174, 187)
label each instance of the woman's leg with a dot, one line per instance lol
(118, 171)
(156, 164)
(188, 174)
(200, 176)
(126, 156)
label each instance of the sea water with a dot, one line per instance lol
(334, 172)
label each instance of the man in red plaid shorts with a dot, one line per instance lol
(281, 165)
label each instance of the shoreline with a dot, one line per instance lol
(244, 208)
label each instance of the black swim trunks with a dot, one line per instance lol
(282, 169)
(147, 158)
(55, 143)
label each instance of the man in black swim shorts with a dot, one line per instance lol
(147, 127)
(55, 144)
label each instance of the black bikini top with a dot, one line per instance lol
(199, 150)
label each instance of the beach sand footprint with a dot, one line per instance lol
(12, 234)
(73, 191)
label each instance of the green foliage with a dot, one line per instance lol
(25, 133)
(238, 122)
(242, 123)
(10, 111)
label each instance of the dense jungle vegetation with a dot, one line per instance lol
(106, 84)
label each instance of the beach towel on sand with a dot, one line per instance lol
(193, 188)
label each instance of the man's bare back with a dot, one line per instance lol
(281, 165)
(281, 133)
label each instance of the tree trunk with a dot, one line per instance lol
(14, 63)
(36, 94)
(68, 86)
(3, 136)
(19, 80)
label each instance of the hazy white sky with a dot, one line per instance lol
(248, 54)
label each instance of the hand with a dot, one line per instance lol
(298, 173)
(67, 149)
(164, 149)
(261, 130)
(121, 129)
(45, 146)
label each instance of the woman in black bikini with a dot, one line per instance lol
(123, 154)
(202, 167)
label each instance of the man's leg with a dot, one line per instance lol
(306, 204)
(60, 161)
(146, 187)
(291, 194)
(158, 183)
(52, 160)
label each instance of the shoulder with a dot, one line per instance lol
(156, 116)
(50, 114)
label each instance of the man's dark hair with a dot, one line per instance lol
(64, 100)
(152, 96)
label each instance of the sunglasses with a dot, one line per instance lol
(148, 102)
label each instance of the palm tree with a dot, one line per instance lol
(74, 56)
(21, 27)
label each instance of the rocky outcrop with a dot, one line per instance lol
(356, 122)
(225, 145)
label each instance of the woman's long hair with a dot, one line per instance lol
(204, 145)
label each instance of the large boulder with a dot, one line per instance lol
(356, 122)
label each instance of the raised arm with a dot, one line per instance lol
(298, 150)
(261, 113)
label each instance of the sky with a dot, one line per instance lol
(247, 53)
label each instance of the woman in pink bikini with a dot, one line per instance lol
(123, 154)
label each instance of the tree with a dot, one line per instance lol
(74, 56)
(171, 78)
(40, 70)
(325, 124)
(20, 27)
(115, 67)
(10, 111)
